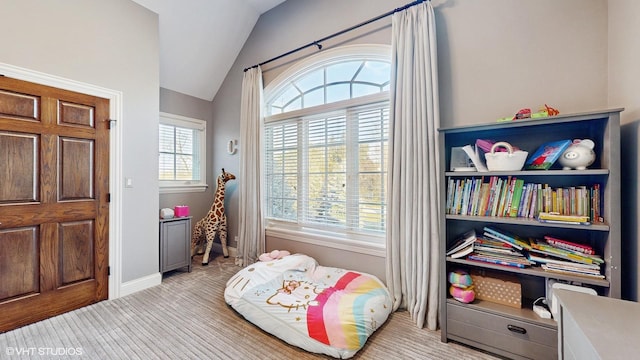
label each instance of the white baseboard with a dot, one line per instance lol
(152, 280)
(139, 284)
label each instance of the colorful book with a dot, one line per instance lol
(554, 217)
(546, 155)
(546, 259)
(547, 268)
(486, 241)
(502, 235)
(569, 245)
(517, 194)
(494, 250)
(540, 246)
(506, 199)
(497, 260)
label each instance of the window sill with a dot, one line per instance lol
(183, 188)
(327, 239)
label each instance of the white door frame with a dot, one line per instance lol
(115, 157)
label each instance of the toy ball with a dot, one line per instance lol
(464, 295)
(460, 279)
(578, 155)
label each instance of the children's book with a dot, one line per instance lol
(462, 242)
(546, 155)
(464, 251)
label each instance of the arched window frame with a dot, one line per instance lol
(349, 238)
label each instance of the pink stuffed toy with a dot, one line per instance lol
(274, 255)
(461, 287)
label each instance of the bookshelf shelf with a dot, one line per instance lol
(528, 222)
(460, 321)
(593, 172)
(533, 271)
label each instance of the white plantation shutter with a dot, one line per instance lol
(325, 163)
(328, 170)
(167, 152)
(325, 159)
(372, 136)
(281, 168)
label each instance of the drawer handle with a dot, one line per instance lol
(517, 329)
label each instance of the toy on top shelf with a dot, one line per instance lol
(579, 155)
(527, 114)
(521, 114)
(546, 111)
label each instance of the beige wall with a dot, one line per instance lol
(495, 57)
(624, 91)
(111, 44)
(333, 257)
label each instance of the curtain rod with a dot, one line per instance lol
(317, 42)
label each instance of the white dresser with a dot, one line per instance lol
(597, 327)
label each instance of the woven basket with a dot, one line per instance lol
(497, 288)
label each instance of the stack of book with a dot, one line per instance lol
(565, 257)
(554, 217)
(501, 248)
(463, 245)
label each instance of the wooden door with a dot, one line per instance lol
(54, 210)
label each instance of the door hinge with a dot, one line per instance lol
(109, 270)
(110, 123)
(108, 197)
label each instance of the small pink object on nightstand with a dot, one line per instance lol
(181, 210)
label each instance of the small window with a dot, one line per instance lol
(181, 156)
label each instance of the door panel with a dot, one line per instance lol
(76, 249)
(19, 157)
(19, 262)
(75, 114)
(54, 211)
(76, 169)
(18, 106)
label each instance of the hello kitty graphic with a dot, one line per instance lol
(295, 294)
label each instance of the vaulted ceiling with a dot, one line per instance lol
(200, 40)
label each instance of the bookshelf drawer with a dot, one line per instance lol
(493, 331)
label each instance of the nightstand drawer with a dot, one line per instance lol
(502, 334)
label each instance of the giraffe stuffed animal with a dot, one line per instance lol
(215, 222)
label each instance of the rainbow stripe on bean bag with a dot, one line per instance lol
(343, 311)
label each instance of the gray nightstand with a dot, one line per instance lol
(175, 243)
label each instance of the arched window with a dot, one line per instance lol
(326, 133)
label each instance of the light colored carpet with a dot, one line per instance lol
(186, 318)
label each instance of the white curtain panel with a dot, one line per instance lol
(412, 237)
(251, 241)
